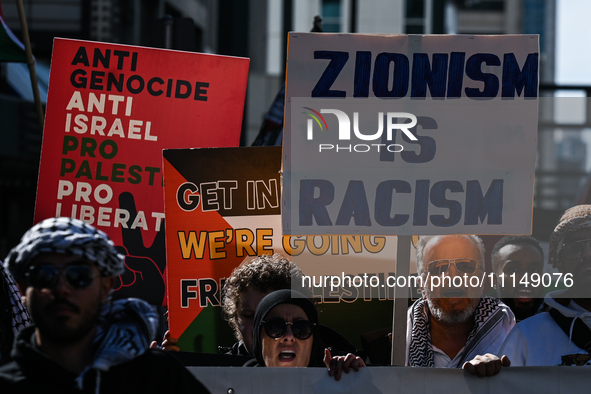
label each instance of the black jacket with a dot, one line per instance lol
(155, 371)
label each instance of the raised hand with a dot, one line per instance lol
(486, 365)
(336, 365)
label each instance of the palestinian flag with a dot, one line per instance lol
(222, 207)
(11, 49)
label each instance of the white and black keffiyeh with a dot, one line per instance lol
(492, 322)
(13, 314)
(20, 315)
(67, 236)
(126, 329)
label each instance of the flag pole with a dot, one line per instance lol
(30, 62)
(401, 295)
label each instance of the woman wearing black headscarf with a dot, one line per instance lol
(286, 335)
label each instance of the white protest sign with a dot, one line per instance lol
(410, 135)
(387, 380)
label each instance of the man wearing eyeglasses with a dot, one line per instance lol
(561, 336)
(454, 323)
(80, 340)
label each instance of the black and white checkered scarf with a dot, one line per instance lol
(66, 236)
(20, 315)
(488, 331)
(13, 314)
(126, 329)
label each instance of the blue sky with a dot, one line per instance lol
(573, 42)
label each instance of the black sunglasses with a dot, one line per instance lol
(77, 276)
(575, 249)
(277, 327)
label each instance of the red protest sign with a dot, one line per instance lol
(111, 110)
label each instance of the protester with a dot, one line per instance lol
(561, 336)
(13, 314)
(272, 335)
(249, 283)
(246, 287)
(453, 326)
(286, 335)
(514, 258)
(243, 291)
(80, 340)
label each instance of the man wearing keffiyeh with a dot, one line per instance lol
(454, 326)
(80, 339)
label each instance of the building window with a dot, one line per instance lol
(415, 16)
(331, 16)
